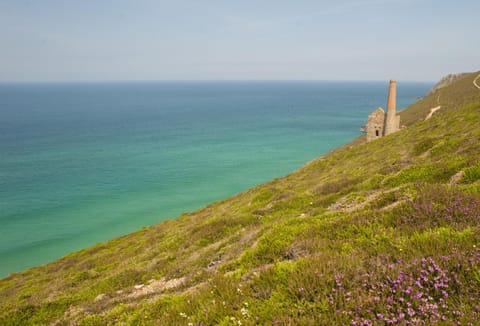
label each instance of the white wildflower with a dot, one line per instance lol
(244, 313)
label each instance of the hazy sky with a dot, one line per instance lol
(81, 40)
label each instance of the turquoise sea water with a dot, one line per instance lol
(83, 163)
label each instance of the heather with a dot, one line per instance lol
(439, 206)
(386, 232)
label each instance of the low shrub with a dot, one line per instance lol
(437, 206)
(471, 174)
(421, 173)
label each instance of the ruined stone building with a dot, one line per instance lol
(380, 123)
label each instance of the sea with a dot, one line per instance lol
(82, 163)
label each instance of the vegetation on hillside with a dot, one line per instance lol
(384, 232)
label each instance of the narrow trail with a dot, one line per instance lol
(475, 82)
(432, 111)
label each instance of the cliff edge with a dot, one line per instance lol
(447, 80)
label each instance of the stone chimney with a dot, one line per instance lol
(391, 114)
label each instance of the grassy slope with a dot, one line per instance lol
(366, 232)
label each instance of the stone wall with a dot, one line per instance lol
(374, 128)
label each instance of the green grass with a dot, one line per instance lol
(322, 245)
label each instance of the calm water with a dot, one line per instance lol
(83, 163)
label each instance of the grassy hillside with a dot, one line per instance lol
(384, 232)
(458, 94)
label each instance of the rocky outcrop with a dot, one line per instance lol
(445, 81)
(155, 286)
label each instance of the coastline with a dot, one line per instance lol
(278, 150)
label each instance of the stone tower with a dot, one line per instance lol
(392, 122)
(382, 123)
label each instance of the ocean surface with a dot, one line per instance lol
(82, 163)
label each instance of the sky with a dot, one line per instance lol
(143, 40)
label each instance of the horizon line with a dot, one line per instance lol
(120, 81)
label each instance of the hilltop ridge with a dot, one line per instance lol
(380, 232)
(447, 80)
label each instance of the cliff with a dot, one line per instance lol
(447, 80)
(379, 232)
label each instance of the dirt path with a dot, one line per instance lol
(475, 82)
(432, 111)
